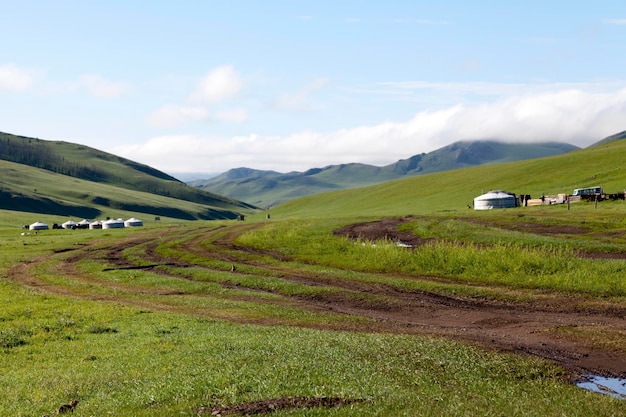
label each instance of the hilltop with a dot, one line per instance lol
(268, 188)
(56, 177)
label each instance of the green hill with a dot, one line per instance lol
(55, 177)
(453, 190)
(267, 188)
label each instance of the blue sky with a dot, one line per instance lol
(206, 86)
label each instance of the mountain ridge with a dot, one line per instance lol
(269, 188)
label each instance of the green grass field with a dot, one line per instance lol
(151, 322)
(140, 343)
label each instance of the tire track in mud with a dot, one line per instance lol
(525, 328)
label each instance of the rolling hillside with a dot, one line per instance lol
(601, 164)
(54, 177)
(268, 188)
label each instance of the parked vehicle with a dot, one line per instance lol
(588, 191)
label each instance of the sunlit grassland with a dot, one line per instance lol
(143, 361)
(159, 341)
(472, 252)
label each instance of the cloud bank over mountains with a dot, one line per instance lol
(579, 115)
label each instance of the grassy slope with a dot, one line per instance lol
(454, 190)
(96, 171)
(28, 189)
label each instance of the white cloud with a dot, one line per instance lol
(174, 115)
(218, 85)
(14, 78)
(569, 115)
(574, 116)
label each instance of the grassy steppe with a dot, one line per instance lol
(133, 342)
(151, 322)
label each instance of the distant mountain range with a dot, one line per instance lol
(268, 188)
(62, 178)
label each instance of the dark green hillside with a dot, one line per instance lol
(62, 178)
(90, 164)
(35, 190)
(454, 190)
(267, 188)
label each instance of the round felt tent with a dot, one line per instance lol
(70, 224)
(133, 222)
(38, 226)
(113, 224)
(95, 225)
(495, 199)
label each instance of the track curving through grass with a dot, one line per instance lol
(201, 270)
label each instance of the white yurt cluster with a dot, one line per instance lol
(86, 224)
(495, 199)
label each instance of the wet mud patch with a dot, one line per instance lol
(269, 406)
(386, 229)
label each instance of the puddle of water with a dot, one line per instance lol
(615, 387)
